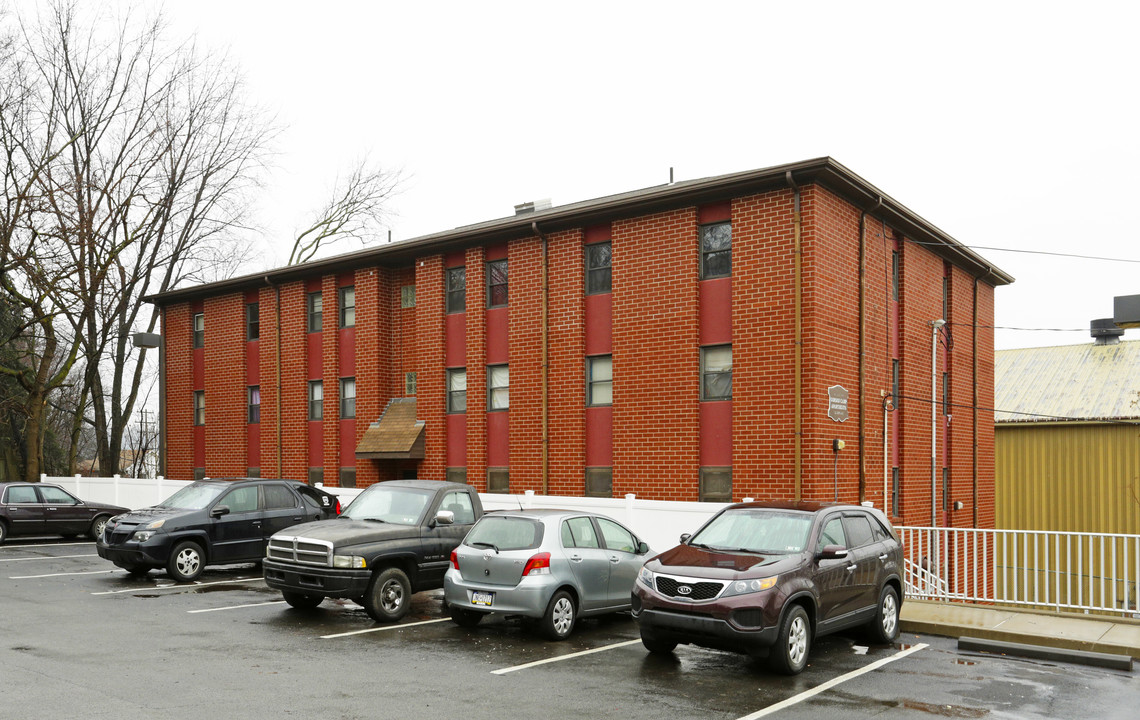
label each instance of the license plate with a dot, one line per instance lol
(483, 598)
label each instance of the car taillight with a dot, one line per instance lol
(338, 506)
(455, 559)
(537, 565)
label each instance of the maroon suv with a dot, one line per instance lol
(766, 578)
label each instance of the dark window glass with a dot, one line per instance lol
(316, 400)
(946, 393)
(832, 534)
(599, 482)
(716, 372)
(716, 250)
(579, 533)
(457, 475)
(252, 321)
(459, 503)
(895, 384)
(278, 497)
(254, 402)
(457, 390)
(498, 480)
(347, 307)
(348, 477)
(598, 276)
(716, 485)
(316, 475)
(199, 407)
(896, 492)
(253, 472)
(858, 531)
(199, 330)
(497, 283)
(316, 310)
(599, 380)
(456, 289)
(241, 500)
(347, 399)
(199, 473)
(895, 268)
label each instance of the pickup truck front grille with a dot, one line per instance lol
(303, 551)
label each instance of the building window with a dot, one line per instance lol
(896, 492)
(347, 307)
(316, 310)
(716, 250)
(253, 401)
(498, 387)
(200, 473)
(348, 477)
(457, 475)
(410, 384)
(599, 482)
(946, 490)
(457, 390)
(895, 268)
(253, 472)
(946, 394)
(408, 296)
(716, 372)
(316, 400)
(497, 283)
(456, 289)
(599, 380)
(316, 476)
(896, 398)
(598, 275)
(199, 407)
(498, 480)
(198, 337)
(252, 321)
(716, 484)
(347, 399)
(946, 298)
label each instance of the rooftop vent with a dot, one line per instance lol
(1105, 331)
(533, 206)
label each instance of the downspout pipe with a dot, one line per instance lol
(277, 366)
(863, 347)
(545, 358)
(797, 302)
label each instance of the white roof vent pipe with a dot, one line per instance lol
(533, 206)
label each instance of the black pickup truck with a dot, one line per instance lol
(393, 540)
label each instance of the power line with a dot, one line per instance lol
(1033, 252)
(1108, 421)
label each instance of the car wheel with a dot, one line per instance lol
(790, 653)
(558, 621)
(465, 618)
(302, 601)
(186, 561)
(97, 525)
(389, 596)
(885, 627)
(656, 645)
(3, 531)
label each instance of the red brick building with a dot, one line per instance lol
(677, 342)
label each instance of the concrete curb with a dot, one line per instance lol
(1039, 652)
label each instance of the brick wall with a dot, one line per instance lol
(224, 355)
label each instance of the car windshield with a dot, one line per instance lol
(194, 497)
(505, 533)
(756, 530)
(399, 505)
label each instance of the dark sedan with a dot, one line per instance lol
(211, 522)
(45, 509)
(765, 579)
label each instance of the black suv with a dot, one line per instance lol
(43, 509)
(765, 579)
(211, 522)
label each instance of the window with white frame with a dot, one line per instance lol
(598, 268)
(347, 308)
(457, 390)
(599, 380)
(347, 398)
(456, 289)
(316, 400)
(498, 387)
(716, 372)
(716, 250)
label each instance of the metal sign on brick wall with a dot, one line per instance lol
(837, 403)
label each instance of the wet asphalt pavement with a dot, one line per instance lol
(79, 638)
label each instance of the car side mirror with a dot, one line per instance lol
(685, 537)
(445, 517)
(832, 552)
(220, 511)
(642, 547)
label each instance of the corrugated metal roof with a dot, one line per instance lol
(1069, 382)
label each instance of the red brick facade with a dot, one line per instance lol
(661, 312)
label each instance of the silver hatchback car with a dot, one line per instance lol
(552, 566)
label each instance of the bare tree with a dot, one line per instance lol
(356, 210)
(136, 160)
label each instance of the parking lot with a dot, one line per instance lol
(82, 638)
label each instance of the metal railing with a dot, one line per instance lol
(1062, 571)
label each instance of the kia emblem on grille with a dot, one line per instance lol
(684, 590)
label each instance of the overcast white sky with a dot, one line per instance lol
(1006, 124)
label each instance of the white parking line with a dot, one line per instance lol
(21, 547)
(45, 557)
(33, 577)
(178, 586)
(236, 607)
(384, 627)
(833, 682)
(560, 658)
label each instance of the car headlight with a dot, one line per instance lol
(155, 524)
(743, 587)
(142, 535)
(349, 561)
(645, 575)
